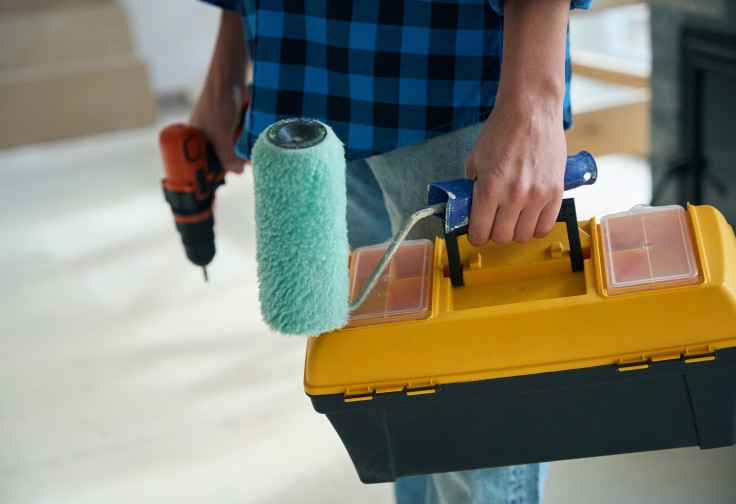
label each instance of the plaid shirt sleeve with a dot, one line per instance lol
(497, 5)
(226, 4)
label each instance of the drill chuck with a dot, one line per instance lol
(198, 239)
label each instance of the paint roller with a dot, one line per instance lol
(302, 246)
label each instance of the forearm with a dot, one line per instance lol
(230, 59)
(219, 106)
(518, 160)
(533, 63)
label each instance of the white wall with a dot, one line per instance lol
(175, 38)
(621, 32)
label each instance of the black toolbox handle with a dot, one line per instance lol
(568, 215)
(457, 195)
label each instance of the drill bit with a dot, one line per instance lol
(206, 279)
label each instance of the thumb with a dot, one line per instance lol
(228, 158)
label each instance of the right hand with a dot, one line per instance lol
(219, 107)
(218, 116)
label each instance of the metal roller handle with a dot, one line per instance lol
(451, 202)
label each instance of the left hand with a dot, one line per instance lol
(519, 158)
(518, 163)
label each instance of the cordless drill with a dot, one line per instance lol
(193, 173)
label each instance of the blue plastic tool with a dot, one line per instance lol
(581, 169)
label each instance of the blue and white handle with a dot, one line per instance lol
(581, 169)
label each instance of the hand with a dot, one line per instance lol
(218, 117)
(518, 160)
(220, 105)
(518, 163)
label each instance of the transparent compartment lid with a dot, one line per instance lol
(648, 248)
(402, 292)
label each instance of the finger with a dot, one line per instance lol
(526, 225)
(482, 215)
(537, 217)
(547, 218)
(236, 168)
(228, 158)
(504, 225)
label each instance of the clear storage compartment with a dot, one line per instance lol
(648, 248)
(403, 291)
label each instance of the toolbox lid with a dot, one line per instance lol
(403, 291)
(524, 312)
(648, 248)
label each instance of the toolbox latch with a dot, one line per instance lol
(368, 393)
(688, 356)
(421, 388)
(701, 354)
(358, 394)
(634, 363)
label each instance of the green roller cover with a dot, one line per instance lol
(301, 227)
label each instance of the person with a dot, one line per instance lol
(418, 91)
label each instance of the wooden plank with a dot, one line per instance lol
(63, 34)
(67, 104)
(20, 5)
(610, 69)
(618, 129)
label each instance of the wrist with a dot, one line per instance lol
(534, 52)
(531, 106)
(227, 69)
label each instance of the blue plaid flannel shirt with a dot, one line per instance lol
(383, 75)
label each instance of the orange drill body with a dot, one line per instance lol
(192, 175)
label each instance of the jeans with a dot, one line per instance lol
(368, 221)
(521, 484)
(383, 191)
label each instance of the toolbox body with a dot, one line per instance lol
(529, 361)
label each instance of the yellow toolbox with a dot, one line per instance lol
(602, 338)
